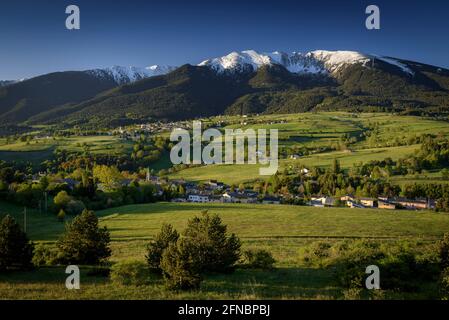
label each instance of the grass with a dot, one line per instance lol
(307, 130)
(283, 230)
(40, 226)
(318, 130)
(96, 144)
(39, 150)
(349, 158)
(235, 174)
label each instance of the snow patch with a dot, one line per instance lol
(123, 75)
(396, 63)
(314, 62)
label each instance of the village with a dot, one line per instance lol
(214, 191)
(217, 192)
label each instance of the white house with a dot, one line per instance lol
(198, 198)
(324, 201)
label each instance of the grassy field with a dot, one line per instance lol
(320, 130)
(308, 130)
(235, 174)
(39, 150)
(283, 230)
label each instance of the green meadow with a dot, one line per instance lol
(283, 230)
(41, 149)
(389, 138)
(235, 174)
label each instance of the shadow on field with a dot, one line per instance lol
(50, 275)
(281, 283)
(163, 207)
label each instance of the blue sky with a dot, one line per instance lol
(33, 38)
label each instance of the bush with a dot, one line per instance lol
(402, 267)
(62, 199)
(75, 207)
(158, 245)
(127, 273)
(44, 256)
(350, 266)
(444, 251)
(84, 242)
(444, 283)
(258, 259)
(181, 266)
(61, 215)
(316, 253)
(16, 250)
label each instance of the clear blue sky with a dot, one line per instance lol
(33, 38)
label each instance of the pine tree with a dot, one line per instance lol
(204, 247)
(336, 166)
(16, 250)
(159, 244)
(84, 242)
(181, 266)
(216, 251)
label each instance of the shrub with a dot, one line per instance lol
(16, 250)
(398, 272)
(84, 242)
(402, 266)
(444, 251)
(44, 256)
(321, 254)
(258, 259)
(158, 245)
(351, 266)
(127, 273)
(62, 199)
(181, 266)
(61, 215)
(444, 284)
(75, 207)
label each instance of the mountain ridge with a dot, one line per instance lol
(240, 82)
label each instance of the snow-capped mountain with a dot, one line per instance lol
(339, 80)
(123, 75)
(314, 62)
(318, 62)
(4, 83)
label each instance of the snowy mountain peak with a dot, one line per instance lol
(315, 62)
(123, 75)
(334, 60)
(319, 61)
